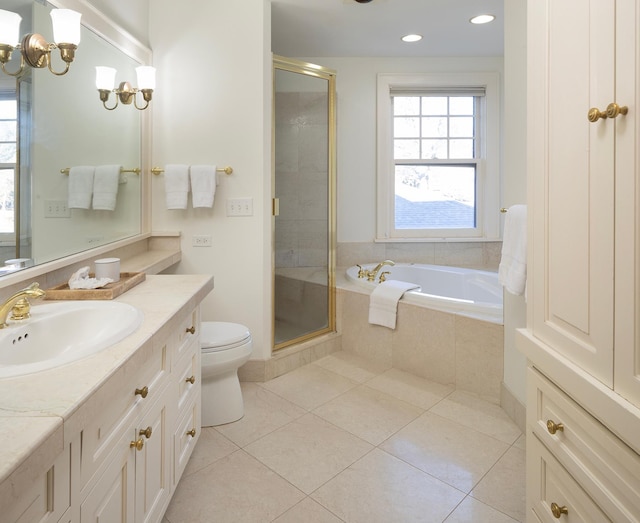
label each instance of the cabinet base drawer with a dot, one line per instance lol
(185, 438)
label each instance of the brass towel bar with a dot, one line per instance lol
(225, 170)
(136, 170)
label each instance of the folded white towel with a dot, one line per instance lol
(105, 187)
(176, 186)
(383, 304)
(203, 185)
(512, 271)
(80, 186)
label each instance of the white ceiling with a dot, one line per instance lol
(307, 28)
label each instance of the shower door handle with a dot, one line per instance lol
(275, 207)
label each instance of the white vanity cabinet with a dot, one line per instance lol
(583, 295)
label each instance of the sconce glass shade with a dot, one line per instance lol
(146, 77)
(105, 78)
(9, 28)
(66, 26)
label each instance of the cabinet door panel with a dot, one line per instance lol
(571, 172)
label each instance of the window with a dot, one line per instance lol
(438, 174)
(8, 158)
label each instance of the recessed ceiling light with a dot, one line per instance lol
(482, 19)
(411, 38)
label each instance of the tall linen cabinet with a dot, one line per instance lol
(583, 284)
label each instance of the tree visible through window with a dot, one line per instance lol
(8, 158)
(435, 155)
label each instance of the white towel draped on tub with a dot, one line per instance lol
(383, 304)
(513, 263)
(203, 185)
(176, 186)
(105, 187)
(80, 186)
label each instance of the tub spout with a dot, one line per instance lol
(371, 275)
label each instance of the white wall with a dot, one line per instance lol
(212, 105)
(514, 183)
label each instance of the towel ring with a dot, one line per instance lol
(225, 170)
(136, 170)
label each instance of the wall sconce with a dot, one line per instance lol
(35, 50)
(125, 93)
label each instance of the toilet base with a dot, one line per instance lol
(224, 402)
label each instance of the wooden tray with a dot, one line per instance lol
(108, 292)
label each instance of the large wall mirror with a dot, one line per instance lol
(49, 124)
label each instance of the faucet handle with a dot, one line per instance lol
(21, 310)
(361, 272)
(383, 276)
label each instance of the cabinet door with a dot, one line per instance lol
(627, 335)
(571, 180)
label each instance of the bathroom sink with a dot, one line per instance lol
(63, 332)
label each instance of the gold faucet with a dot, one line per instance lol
(371, 275)
(18, 304)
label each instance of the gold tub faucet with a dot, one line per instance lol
(18, 304)
(371, 275)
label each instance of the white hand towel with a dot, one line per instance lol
(383, 303)
(176, 186)
(105, 187)
(80, 186)
(203, 185)
(512, 271)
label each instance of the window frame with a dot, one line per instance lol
(488, 160)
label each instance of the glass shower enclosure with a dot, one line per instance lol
(304, 179)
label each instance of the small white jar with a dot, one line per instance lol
(108, 268)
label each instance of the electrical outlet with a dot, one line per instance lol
(240, 207)
(202, 240)
(56, 209)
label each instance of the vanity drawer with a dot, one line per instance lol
(606, 468)
(123, 399)
(188, 331)
(557, 490)
(185, 437)
(187, 372)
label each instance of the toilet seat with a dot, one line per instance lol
(216, 336)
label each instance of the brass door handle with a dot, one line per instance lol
(557, 510)
(138, 444)
(614, 110)
(142, 392)
(191, 330)
(191, 380)
(146, 432)
(595, 114)
(554, 427)
(191, 433)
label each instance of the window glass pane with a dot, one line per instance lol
(406, 105)
(6, 201)
(434, 149)
(434, 105)
(461, 105)
(8, 110)
(406, 149)
(435, 197)
(461, 149)
(8, 131)
(7, 153)
(434, 127)
(461, 127)
(406, 127)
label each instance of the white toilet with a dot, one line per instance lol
(224, 348)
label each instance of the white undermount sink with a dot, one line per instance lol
(64, 332)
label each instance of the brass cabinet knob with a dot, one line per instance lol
(142, 392)
(138, 444)
(191, 330)
(595, 114)
(613, 110)
(191, 380)
(191, 433)
(557, 510)
(146, 432)
(554, 427)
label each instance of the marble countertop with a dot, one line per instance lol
(34, 408)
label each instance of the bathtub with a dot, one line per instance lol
(468, 292)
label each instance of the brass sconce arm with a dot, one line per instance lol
(35, 52)
(126, 94)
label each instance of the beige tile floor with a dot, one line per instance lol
(342, 440)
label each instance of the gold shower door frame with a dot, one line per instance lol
(298, 67)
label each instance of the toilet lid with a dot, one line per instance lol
(222, 335)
